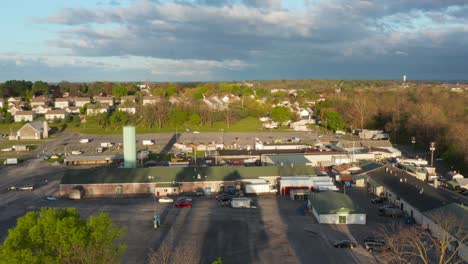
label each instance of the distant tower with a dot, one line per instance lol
(404, 78)
(129, 141)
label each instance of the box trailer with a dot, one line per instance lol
(147, 142)
(11, 161)
(259, 188)
(241, 202)
(84, 140)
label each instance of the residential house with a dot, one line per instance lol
(72, 110)
(147, 100)
(2, 103)
(104, 100)
(215, 103)
(23, 116)
(59, 114)
(128, 98)
(39, 101)
(128, 108)
(94, 109)
(14, 108)
(81, 101)
(41, 109)
(32, 130)
(14, 100)
(62, 103)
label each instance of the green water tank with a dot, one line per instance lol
(129, 145)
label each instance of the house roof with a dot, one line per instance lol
(460, 212)
(419, 194)
(185, 174)
(56, 112)
(333, 202)
(289, 159)
(62, 99)
(36, 125)
(24, 113)
(103, 98)
(369, 165)
(81, 99)
(98, 106)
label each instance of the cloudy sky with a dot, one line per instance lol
(211, 40)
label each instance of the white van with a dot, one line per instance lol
(242, 202)
(147, 142)
(84, 140)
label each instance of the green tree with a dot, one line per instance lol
(40, 87)
(280, 114)
(62, 236)
(118, 91)
(195, 119)
(177, 117)
(118, 118)
(334, 121)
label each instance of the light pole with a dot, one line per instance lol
(413, 141)
(432, 149)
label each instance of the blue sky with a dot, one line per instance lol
(211, 40)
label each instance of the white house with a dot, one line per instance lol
(32, 130)
(39, 101)
(72, 110)
(127, 99)
(15, 100)
(150, 100)
(23, 116)
(128, 108)
(94, 109)
(104, 100)
(62, 103)
(335, 208)
(41, 109)
(81, 101)
(13, 109)
(55, 114)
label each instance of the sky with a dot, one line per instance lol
(223, 40)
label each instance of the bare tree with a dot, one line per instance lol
(439, 244)
(184, 253)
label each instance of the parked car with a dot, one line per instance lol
(374, 239)
(166, 200)
(200, 192)
(28, 187)
(225, 201)
(382, 208)
(51, 198)
(373, 246)
(378, 200)
(392, 212)
(12, 188)
(344, 244)
(183, 202)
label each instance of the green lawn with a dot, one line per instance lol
(249, 124)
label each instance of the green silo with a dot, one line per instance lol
(129, 142)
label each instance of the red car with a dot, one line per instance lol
(183, 203)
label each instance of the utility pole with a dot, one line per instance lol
(432, 149)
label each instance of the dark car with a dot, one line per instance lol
(344, 244)
(378, 200)
(388, 206)
(374, 239)
(225, 201)
(183, 202)
(373, 246)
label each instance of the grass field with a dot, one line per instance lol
(249, 124)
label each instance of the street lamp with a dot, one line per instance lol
(432, 149)
(413, 141)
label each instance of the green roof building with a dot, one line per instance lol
(336, 208)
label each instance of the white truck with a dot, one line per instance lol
(241, 202)
(106, 144)
(11, 161)
(147, 142)
(84, 140)
(259, 188)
